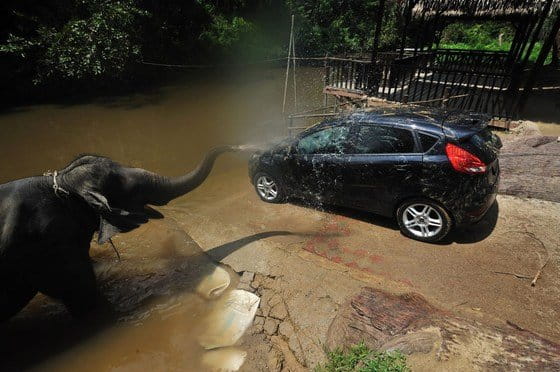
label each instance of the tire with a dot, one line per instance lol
(269, 188)
(424, 220)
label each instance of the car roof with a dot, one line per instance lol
(432, 120)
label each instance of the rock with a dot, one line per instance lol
(270, 326)
(258, 325)
(266, 296)
(291, 364)
(257, 281)
(295, 347)
(409, 323)
(274, 360)
(415, 342)
(286, 329)
(247, 277)
(275, 300)
(278, 311)
(245, 287)
(536, 141)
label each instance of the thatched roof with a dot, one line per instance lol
(481, 8)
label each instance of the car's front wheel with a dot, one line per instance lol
(269, 188)
(423, 220)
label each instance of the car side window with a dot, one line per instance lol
(330, 140)
(372, 139)
(427, 141)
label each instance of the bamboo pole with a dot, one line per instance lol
(288, 67)
(294, 59)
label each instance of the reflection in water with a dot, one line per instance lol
(160, 291)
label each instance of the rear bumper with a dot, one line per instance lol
(477, 213)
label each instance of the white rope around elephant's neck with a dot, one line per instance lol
(55, 185)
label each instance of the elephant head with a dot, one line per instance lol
(120, 195)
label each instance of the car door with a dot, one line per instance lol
(383, 166)
(319, 161)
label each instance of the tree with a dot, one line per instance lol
(88, 39)
(342, 26)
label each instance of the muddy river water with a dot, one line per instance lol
(158, 289)
(155, 290)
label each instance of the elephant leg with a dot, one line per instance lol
(15, 293)
(70, 280)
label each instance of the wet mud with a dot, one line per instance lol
(162, 293)
(157, 306)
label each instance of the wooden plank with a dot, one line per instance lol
(344, 92)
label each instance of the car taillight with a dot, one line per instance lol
(463, 161)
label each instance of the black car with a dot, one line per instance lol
(431, 169)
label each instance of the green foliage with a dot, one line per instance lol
(341, 26)
(224, 31)
(362, 359)
(100, 41)
(483, 36)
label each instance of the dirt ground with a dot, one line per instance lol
(530, 162)
(306, 263)
(315, 259)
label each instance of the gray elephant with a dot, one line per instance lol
(47, 224)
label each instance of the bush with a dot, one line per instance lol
(362, 359)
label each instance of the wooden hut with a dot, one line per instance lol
(419, 71)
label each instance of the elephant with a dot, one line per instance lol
(47, 224)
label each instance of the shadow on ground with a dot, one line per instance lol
(462, 235)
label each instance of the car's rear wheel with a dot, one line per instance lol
(423, 220)
(269, 188)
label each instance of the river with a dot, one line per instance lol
(153, 288)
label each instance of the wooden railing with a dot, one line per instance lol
(348, 74)
(476, 80)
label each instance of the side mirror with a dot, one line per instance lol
(292, 149)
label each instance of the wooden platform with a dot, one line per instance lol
(376, 102)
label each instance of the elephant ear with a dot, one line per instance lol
(114, 220)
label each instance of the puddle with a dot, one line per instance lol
(172, 304)
(549, 129)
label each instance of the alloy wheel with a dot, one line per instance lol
(267, 188)
(422, 220)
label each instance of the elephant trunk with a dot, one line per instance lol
(166, 189)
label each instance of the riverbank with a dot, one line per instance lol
(316, 275)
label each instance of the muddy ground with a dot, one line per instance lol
(471, 274)
(306, 263)
(530, 162)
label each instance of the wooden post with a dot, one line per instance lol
(546, 47)
(407, 18)
(373, 67)
(327, 77)
(536, 32)
(445, 99)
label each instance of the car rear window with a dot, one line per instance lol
(372, 139)
(427, 141)
(486, 141)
